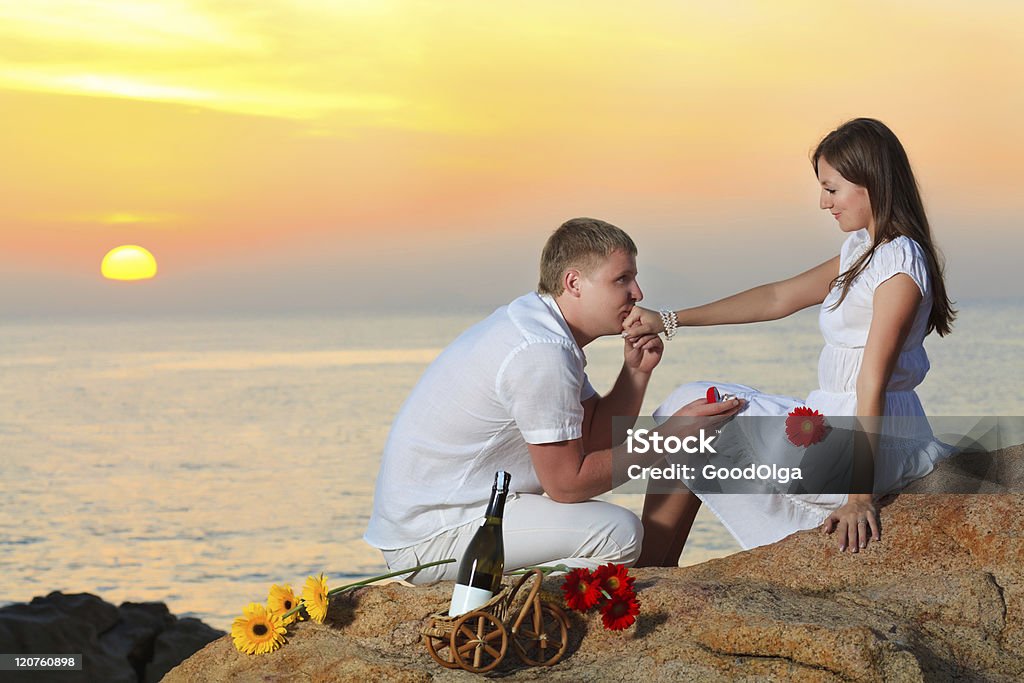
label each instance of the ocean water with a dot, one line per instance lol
(198, 461)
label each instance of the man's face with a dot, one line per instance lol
(608, 292)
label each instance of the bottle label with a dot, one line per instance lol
(466, 599)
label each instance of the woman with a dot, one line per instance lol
(880, 297)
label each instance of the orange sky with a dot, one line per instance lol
(235, 140)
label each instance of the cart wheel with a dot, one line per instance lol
(542, 638)
(479, 642)
(440, 649)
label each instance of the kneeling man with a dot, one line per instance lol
(511, 394)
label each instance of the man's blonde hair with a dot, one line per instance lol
(580, 243)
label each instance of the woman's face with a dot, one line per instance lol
(849, 203)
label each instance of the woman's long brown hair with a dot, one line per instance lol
(867, 153)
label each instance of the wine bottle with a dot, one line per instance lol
(483, 562)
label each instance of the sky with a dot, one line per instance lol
(318, 155)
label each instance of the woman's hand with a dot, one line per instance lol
(644, 354)
(641, 321)
(856, 522)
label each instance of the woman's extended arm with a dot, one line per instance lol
(766, 302)
(894, 305)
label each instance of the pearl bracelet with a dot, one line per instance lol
(670, 322)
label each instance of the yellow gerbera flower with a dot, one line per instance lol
(257, 631)
(314, 597)
(281, 600)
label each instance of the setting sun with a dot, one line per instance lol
(128, 262)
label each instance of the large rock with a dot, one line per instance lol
(942, 596)
(175, 643)
(132, 643)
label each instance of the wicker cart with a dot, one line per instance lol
(478, 641)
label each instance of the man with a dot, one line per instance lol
(511, 394)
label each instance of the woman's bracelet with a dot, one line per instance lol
(669, 320)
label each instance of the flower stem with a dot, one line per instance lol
(349, 586)
(543, 568)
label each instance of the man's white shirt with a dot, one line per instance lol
(514, 378)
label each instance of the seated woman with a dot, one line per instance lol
(880, 297)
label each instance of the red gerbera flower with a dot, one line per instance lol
(805, 427)
(614, 579)
(620, 612)
(581, 591)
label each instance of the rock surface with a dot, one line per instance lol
(136, 642)
(941, 597)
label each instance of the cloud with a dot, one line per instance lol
(234, 59)
(105, 219)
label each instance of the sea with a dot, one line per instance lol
(198, 460)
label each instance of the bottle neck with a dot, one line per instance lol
(496, 507)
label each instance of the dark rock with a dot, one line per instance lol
(118, 645)
(134, 635)
(176, 644)
(42, 628)
(82, 607)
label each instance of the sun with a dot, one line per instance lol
(128, 262)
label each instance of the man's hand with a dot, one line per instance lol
(720, 411)
(644, 354)
(699, 414)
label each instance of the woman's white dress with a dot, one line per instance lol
(758, 519)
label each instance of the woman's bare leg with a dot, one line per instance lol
(667, 520)
(675, 550)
